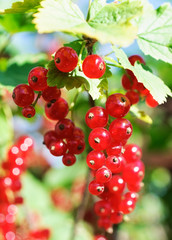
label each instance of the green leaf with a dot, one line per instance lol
(22, 6)
(77, 45)
(108, 23)
(60, 79)
(96, 6)
(20, 60)
(153, 83)
(155, 33)
(141, 115)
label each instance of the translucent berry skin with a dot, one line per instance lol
(69, 159)
(38, 78)
(100, 237)
(135, 187)
(93, 66)
(132, 153)
(49, 137)
(127, 82)
(57, 110)
(66, 59)
(43, 234)
(116, 217)
(95, 159)
(76, 145)
(96, 188)
(120, 129)
(131, 195)
(104, 222)
(103, 175)
(28, 112)
(134, 172)
(23, 95)
(64, 128)
(114, 149)
(58, 148)
(117, 105)
(99, 139)
(51, 94)
(113, 163)
(127, 205)
(96, 117)
(133, 97)
(150, 101)
(122, 164)
(77, 132)
(116, 184)
(102, 208)
(135, 58)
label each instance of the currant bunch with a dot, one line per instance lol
(116, 166)
(135, 89)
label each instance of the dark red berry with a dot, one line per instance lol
(58, 148)
(150, 101)
(117, 105)
(127, 205)
(113, 163)
(76, 145)
(38, 78)
(77, 132)
(66, 59)
(95, 159)
(49, 137)
(57, 110)
(99, 139)
(135, 58)
(100, 237)
(103, 175)
(23, 95)
(132, 153)
(93, 66)
(96, 117)
(132, 96)
(102, 208)
(127, 82)
(104, 222)
(28, 112)
(51, 94)
(64, 128)
(69, 159)
(96, 188)
(116, 217)
(41, 234)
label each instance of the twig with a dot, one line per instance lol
(36, 100)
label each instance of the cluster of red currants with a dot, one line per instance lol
(100, 237)
(10, 185)
(66, 140)
(117, 167)
(135, 89)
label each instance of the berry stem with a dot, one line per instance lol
(36, 100)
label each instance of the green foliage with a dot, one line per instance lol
(141, 115)
(107, 22)
(77, 46)
(155, 33)
(153, 83)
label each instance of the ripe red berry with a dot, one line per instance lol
(38, 78)
(95, 159)
(42, 234)
(23, 95)
(64, 128)
(58, 148)
(114, 149)
(57, 110)
(102, 208)
(127, 205)
(69, 159)
(28, 112)
(132, 96)
(100, 237)
(120, 129)
(99, 139)
(51, 94)
(122, 164)
(132, 153)
(103, 175)
(49, 137)
(135, 58)
(135, 187)
(116, 217)
(77, 132)
(104, 222)
(131, 195)
(150, 101)
(96, 188)
(96, 117)
(128, 82)
(93, 66)
(76, 145)
(117, 105)
(66, 59)
(116, 184)
(113, 163)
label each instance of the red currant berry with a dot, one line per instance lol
(132, 153)
(51, 94)
(104, 222)
(57, 110)
(127, 205)
(93, 66)
(122, 164)
(66, 59)
(102, 208)
(135, 58)
(16, 185)
(113, 163)
(23, 95)
(127, 82)
(49, 137)
(100, 237)
(95, 159)
(99, 139)
(132, 96)
(114, 149)
(18, 200)
(28, 112)
(64, 128)
(69, 159)
(132, 195)
(134, 172)
(135, 187)
(120, 129)
(116, 217)
(115, 200)
(38, 78)
(76, 145)
(95, 188)
(58, 148)
(150, 101)
(116, 184)
(103, 175)
(96, 117)
(117, 105)
(42, 234)
(77, 132)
